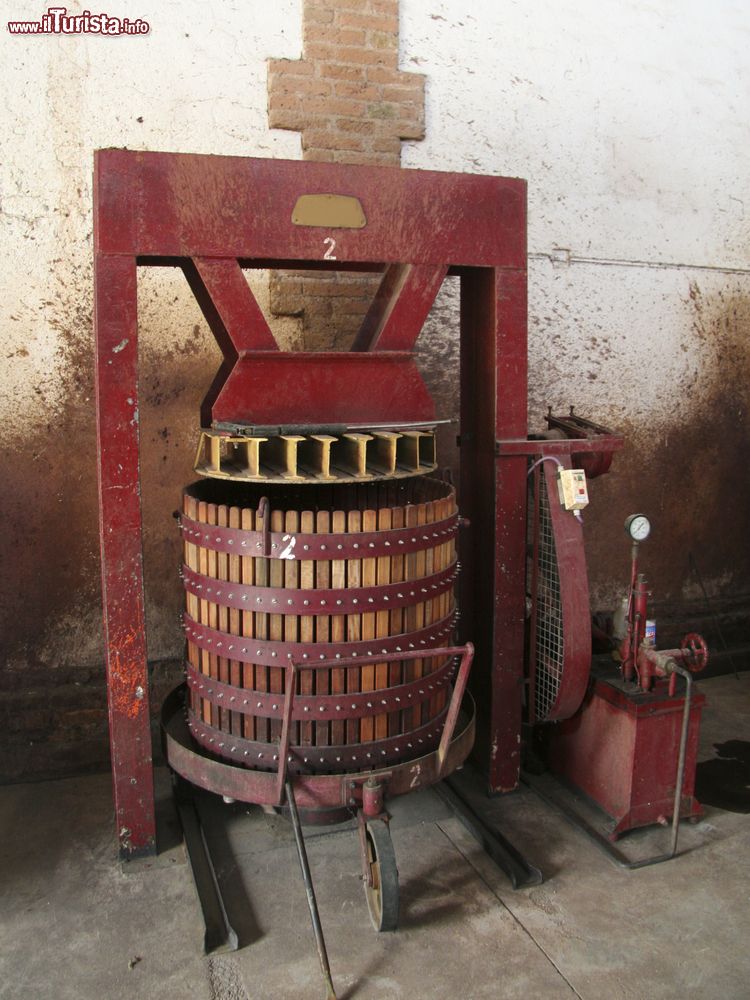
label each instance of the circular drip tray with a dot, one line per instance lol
(314, 792)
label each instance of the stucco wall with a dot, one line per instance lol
(629, 122)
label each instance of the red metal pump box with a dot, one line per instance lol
(621, 748)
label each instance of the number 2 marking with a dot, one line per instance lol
(329, 254)
(288, 552)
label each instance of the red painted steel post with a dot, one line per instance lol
(493, 496)
(511, 420)
(477, 488)
(122, 565)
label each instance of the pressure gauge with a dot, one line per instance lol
(638, 527)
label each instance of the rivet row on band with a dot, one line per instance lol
(333, 759)
(358, 705)
(348, 545)
(277, 600)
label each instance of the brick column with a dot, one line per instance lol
(352, 104)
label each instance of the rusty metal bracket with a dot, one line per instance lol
(590, 446)
(264, 514)
(454, 707)
(357, 795)
(511, 447)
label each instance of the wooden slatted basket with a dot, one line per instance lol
(313, 574)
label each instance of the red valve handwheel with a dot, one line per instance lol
(696, 651)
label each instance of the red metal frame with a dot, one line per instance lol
(212, 216)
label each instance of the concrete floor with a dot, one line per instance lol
(73, 924)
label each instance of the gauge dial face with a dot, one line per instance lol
(638, 527)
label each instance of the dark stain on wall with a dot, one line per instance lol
(50, 509)
(690, 478)
(688, 475)
(53, 714)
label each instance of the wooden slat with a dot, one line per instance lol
(235, 620)
(261, 628)
(421, 714)
(213, 613)
(190, 509)
(382, 620)
(396, 625)
(306, 626)
(247, 572)
(203, 609)
(353, 624)
(338, 627)
(222, 573)
(411, 617)
(446, 599)
(276, 622)
(439, 511)
(369, 579)
(440, 604)
(430, 566)
(291, 582)
(322, 681)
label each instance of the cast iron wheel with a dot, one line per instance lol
(382, 896)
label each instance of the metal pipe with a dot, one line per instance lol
(291, 687)
(677, 669)
(628, 647)
(311, 901)
(639, 616)
(454, 708)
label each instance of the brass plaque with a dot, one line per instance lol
(329, 211)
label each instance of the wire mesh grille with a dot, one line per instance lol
(549, 619)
